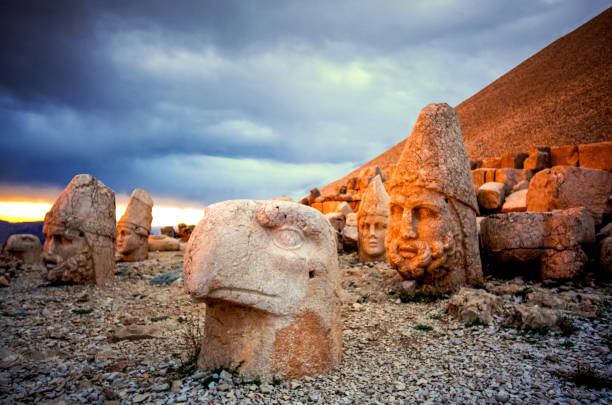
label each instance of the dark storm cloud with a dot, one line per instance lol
(222, 99)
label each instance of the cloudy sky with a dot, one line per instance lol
(204, 101)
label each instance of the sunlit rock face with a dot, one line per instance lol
(372, 220)
(268, 272)
(134, 227)
(431, 236)
(80, 233)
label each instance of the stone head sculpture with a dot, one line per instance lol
(134, 227)
(432, 235)
(80, 232)
(372, 220)
(268, 272)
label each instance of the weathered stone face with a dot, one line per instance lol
(420, 235)
(80, 233)
(432, 235)
(372, 232)
(372, 220)
(25, 247)
(134, 227)
(268, 272)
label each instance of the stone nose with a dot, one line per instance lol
(407, 229)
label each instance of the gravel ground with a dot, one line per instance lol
(65, 345)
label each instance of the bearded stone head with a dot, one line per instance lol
(79, 233)
(431, 237)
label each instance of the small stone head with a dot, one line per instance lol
(372, 219)
(134, 227)
(79, 233)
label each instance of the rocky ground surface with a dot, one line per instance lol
(129, 343)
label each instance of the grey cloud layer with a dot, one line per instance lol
(217, 100)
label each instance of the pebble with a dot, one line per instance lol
(385, 359)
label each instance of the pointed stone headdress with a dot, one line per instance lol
(375, 201)
(434, 157)
(138, 212)
(87, 205)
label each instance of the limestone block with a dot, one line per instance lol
(491, 195)
(560, 230)
(80, 231)
(268, 273)
(568, 228)
(515, 230)
(596, 155)
(516, 202)
(562, 265)
(564, 155)
(491, 163)
(433, 207)
(539, 158)
(25, 247)
(163, 243)
(482, 176)
(564, 187)
(511, 177)
(513, 160)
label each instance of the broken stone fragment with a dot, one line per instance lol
(162, 243)
(516, 202)
(491, 195)
(470, 305)
(25, 247)
(564, 187)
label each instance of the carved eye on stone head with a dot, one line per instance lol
(288, 237)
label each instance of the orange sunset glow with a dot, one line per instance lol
(26, 211)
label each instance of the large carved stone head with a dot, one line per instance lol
(80, 232)
(372, 219)
(134, 227)
(432, 236)
(268, 272)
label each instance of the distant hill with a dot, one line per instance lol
(562, 95)
(9, 228)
